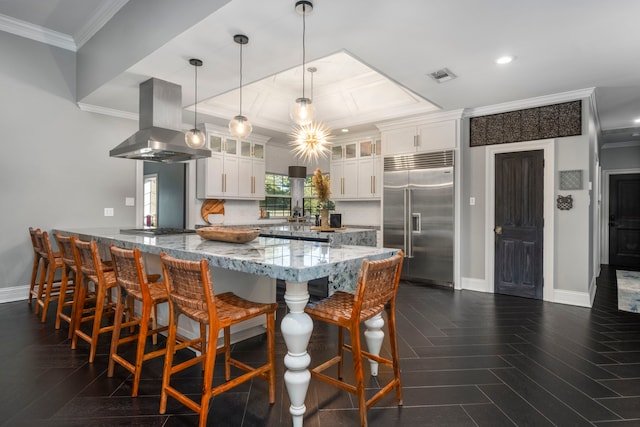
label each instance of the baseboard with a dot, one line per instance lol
(14, 293)
(582, 299)
(472, 284)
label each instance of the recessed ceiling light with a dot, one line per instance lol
(637, 120)
(504, 59)
(345, 130)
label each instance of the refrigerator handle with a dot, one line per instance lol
(408, 235)
(416, 222)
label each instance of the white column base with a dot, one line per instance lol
(296, 328)
(374, 337)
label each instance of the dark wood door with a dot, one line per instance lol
(519, 222)
(624, 220)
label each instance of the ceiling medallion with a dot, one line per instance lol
(311, 141)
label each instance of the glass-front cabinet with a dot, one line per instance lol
(356, 168)
(235, 169)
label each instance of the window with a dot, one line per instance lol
(310, 200)
(277, 202)
(278, 196)
(150, 200)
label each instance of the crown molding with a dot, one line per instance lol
(37, 33)
(98, 20)
(439, 116)
(89, 108)
(539, 101)
(626, 144)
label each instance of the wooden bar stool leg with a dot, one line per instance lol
(77, 291)
(41, 284)
(115, 337)
(97, 321)
(227, 353)
(142, 340)
(78, 313)
(47, 294)
(154, 324)
(340, 350)
(62, 297)
(168, 359)
(395, 357)
(271, 345)
(210, 360)
(358, 372)
(34, 277)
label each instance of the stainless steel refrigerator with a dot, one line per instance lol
(418, 214)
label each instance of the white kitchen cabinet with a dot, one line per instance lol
(431, 136)
(251, 170)
(344, 180)
(356, 169)
(217, 176)
(235, 169)
(369, 169)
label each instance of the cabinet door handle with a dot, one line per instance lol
(374, 184)
(224, 182)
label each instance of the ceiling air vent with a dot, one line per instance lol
(442, 75)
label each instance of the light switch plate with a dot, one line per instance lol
(129, 201)
(472, 201)
(108, 211)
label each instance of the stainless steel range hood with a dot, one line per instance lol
(159, 138)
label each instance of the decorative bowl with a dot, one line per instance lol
(228, 234)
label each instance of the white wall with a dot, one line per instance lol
(55, 169)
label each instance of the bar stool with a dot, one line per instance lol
(48, 287)
(93, 270)
(377, 286)
(132, 279)
(33, 290)
(69, 275)
(191, 293)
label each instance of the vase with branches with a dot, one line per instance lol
(322, 188)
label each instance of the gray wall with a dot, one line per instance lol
(54, 168)
(620, 158)
(573, 238)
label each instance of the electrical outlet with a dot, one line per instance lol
(108, 211)
(129, 201)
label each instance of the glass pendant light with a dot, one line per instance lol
(311, 141)
(240, 126)
(194, 137)
(302, 111)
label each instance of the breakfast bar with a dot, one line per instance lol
(256, 265)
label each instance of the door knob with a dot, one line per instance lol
(498, 229)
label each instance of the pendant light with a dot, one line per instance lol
(302, 111)
(311, 141)
(240, 126)
(195, 138)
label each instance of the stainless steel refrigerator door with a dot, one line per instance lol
(431, 225)
(393, 209)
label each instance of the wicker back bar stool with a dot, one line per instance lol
(93, 270)
(48, 286)
(133, 281)
(191, 294)
(376, 288)
(69, 276)
(37, 258)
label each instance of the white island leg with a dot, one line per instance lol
(374, 337)
(296, 328)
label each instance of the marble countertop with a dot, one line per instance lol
(293, 260)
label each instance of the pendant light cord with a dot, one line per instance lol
(240, 78)
(195, 105)
(304, 53)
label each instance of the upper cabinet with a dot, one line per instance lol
(236, 168)
(435, 132)
(356, 167)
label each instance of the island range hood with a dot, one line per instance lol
(159, 138)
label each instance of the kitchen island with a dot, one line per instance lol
(346, 236)
(251, 268)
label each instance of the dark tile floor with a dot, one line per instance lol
(467, 359)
